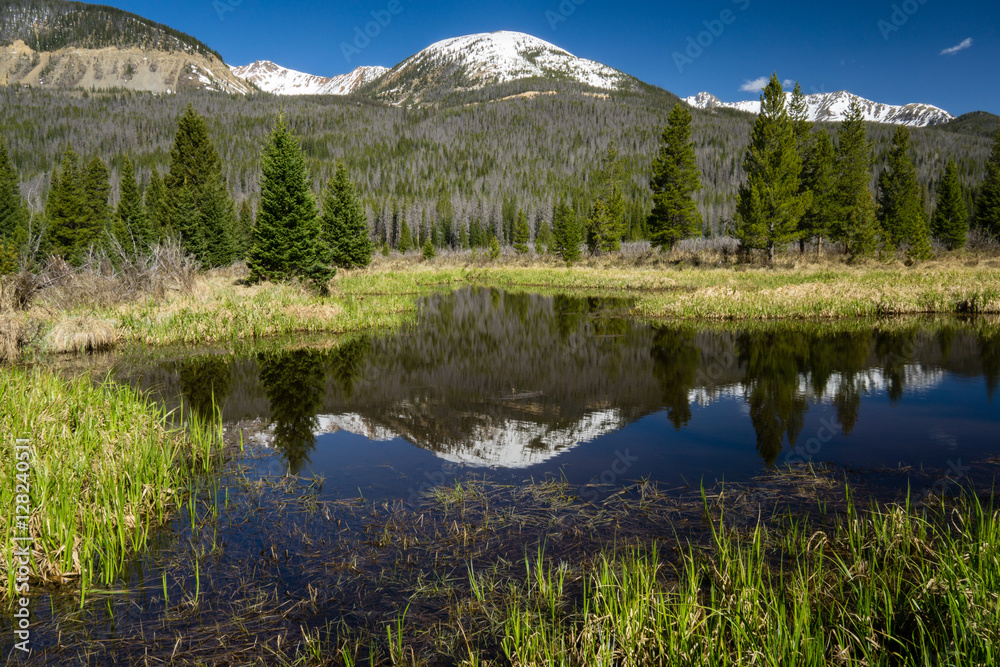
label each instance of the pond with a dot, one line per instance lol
(513, 386)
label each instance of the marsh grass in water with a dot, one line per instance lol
(887, 586)
(106, 467)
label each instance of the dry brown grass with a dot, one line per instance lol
(81, 334)
(12, 337)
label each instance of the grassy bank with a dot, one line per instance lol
(219, 306)
(103, 469)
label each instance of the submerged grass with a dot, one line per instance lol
(885, 586)
(104, 467)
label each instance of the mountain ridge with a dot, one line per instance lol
(273, 78)
(59, 44)
(833, 107)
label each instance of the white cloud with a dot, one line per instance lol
(788, 83)
(962, 46)
(755, 86)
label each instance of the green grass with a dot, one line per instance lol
(887, 587)
(104, 469)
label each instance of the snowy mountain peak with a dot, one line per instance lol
(273, 78)
(474, 62)
(503, 56)
(833, 107)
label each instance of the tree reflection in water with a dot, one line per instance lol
(484, 372)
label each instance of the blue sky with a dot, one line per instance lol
(893, 51)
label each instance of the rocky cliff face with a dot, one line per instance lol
(130, 68)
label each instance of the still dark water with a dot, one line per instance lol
(517, 386)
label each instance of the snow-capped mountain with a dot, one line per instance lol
(474, 62)
(273, 78)
(832, 108)
(462, 63)
(509, 444)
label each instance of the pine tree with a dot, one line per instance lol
(770, 204)
(606, 226)
(445, 212)
(988, 199)
(566, 232)
(131, 224)
(477, 237)
(819, 178)
(195, 164)
(798, 113)
(543, 237)
(950, 223)
(856, 223)
(64, 210)
(429, 252)
(344, 226)
(219, 220)
(243, 236)
(901, 210)
(156, 208)
(187, 223)
(14, 214)
(521, 233)
(405, 238)
(287, 239)
(96, 189)
(675, 179)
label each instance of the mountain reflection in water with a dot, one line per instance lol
(493, 379)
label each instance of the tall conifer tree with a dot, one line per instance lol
(566, 234)
(606, 225)
(770, 204)
(819, 178)
(951, 218)
(988, 199)
(195, 164)
(405, 238)
(243, 235)
(131, 224)
(13, 214)
(64, 210)
(156, 207)
(522, 234)
(344, 225)
(901, 209)
(96, 190)
(856, 224)
(287, 239)
(675, 180)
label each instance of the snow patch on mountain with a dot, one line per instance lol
(273, 78)
(503, 56)
(833, 108)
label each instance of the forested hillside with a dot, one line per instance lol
(480, 157)
(50, 25)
